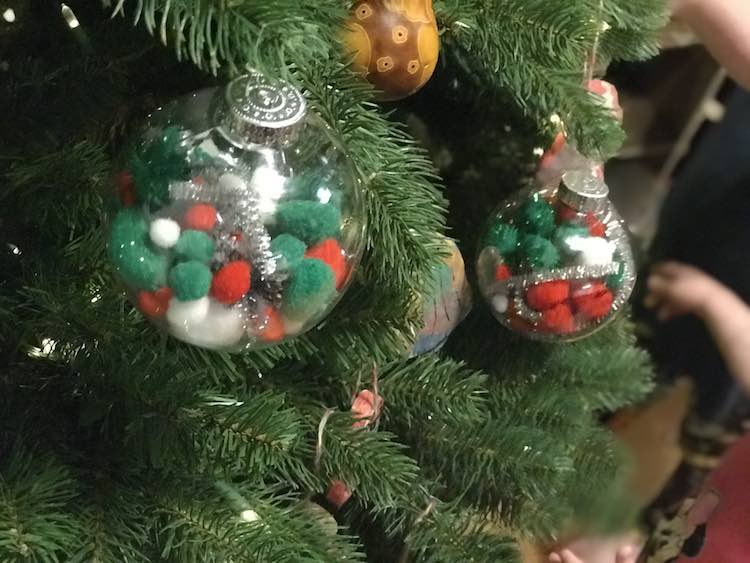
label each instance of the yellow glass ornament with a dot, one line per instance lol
(395, 44)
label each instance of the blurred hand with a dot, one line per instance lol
(677, 7)
(621, 549)
(724, 28)
(677, 289)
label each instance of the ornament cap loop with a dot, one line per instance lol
(584, 191)
(260, 111)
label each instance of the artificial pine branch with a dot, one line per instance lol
(255, 436)
(36, 493)
(634, 27)
(204, 522)
(460, 537)
(155, 422)
(431, 386)
(117, 521)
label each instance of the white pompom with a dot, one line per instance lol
(185, 315)
(269, 185)
(232, 183)
(164, 232)
(220, 327)
(266, 183)
(210, 148)
(592, 251)
(500, 303)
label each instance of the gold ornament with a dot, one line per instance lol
(395, 44)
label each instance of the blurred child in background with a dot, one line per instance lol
(706, 222)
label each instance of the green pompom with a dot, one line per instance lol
(311, 287)
(199, 158)
(291, 249)
(309, 221)
(190, 280)
(538, 252)
(504, 237)
(129, 224)
(616, 280)
(136, 262)
(194, 245)
(140, 267)
(156, 164)
(537, 216)
(565, 232)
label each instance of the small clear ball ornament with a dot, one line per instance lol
(238, 220)
(555, 264)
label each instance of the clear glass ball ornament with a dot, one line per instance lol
(238, 219)
(555, 264)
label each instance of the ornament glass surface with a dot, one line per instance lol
(239, 219)
(556, 264)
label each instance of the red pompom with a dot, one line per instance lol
(596, 227)
(201, 217)
(338, 493)
(548, 294)
(330, 252)
(581, 290)
(593, 300)
(154, 304)
(566, 214)
(502, 272)
(551, 153)
(273, 331)
(231, 282)
(558, 319)
(125, 188)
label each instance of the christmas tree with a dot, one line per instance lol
(118, 443)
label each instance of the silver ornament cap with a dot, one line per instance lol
(261, 111)
(584, 191)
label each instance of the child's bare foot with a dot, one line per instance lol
(618, 549)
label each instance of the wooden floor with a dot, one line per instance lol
(652, 434)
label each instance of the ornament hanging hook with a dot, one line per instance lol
(376, 397)
(602, 26)
(319, 445)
